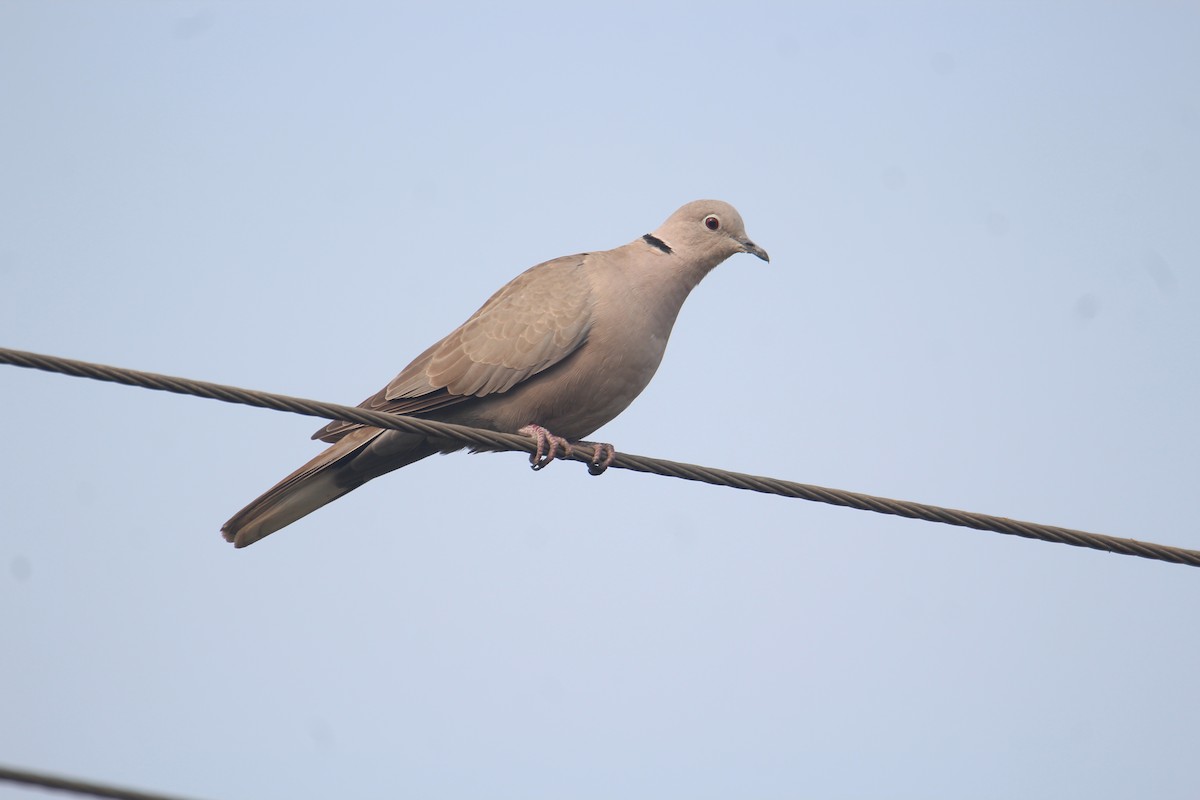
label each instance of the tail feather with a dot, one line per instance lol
(355, 459)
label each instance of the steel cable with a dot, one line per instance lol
(491, 440)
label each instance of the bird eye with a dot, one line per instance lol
(712, 223)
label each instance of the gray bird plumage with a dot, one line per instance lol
(566, 345)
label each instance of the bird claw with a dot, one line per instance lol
(549, 446)
(603, 455)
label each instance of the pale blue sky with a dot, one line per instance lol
(983, 223)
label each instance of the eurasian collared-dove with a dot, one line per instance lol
(564, 347)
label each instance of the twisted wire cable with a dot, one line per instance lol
(74, 786)
(481, 439)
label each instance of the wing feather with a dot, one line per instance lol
(533, 322)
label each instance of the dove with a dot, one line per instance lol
(555, 354)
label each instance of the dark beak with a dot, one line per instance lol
(750, 247)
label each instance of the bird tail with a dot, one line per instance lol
(355, 459)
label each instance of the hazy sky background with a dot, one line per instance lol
(984, 226)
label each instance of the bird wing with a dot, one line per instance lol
(533, 322)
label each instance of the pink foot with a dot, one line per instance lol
(549, 446)
(603, 455)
